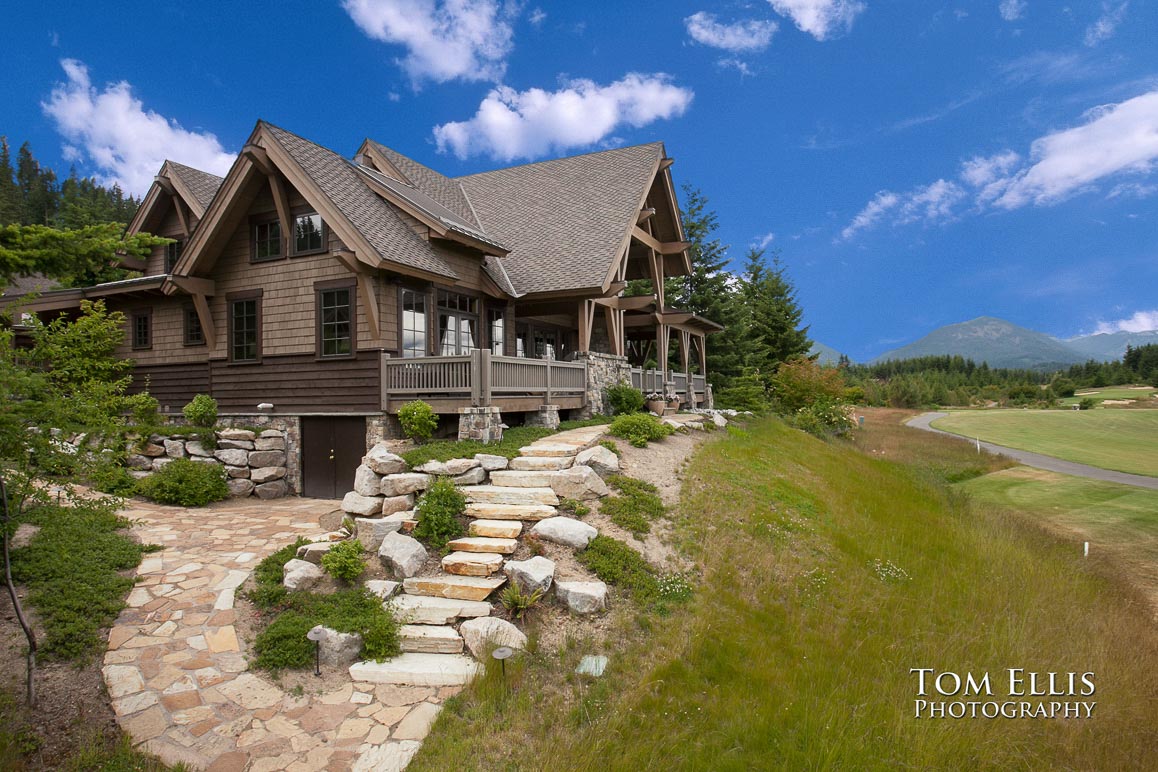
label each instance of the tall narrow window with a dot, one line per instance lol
(307, 233)
(457, 323)
(172, 255)
(497, 328)
(142, 324)
(194, 335)
(245, 330)
(413, 323)
(267, 240)
(336, 322)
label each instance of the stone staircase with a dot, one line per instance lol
(434, 607)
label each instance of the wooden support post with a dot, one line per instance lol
(703, 340)
(281, 201)
(179, 206)
(685, 344)
(369, 300)
(586, 323)
(548, 362)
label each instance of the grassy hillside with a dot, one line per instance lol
(826, 574)
(1123, 440)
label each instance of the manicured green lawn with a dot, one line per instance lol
(825, 575)
(1113, 392)
(1123, 440)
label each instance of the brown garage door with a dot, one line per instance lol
(332, 448)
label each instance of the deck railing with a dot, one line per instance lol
(480, 377)
(649, 381)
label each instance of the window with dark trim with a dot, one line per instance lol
(496, 327)
(457, 323)
(194, 335)
(245, 328)
(172, 255)
(336, 320)
(142, 329)
(413, 323)
(309, 234)
(267, 240)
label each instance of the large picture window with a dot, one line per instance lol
(308, 233)
(457, 323)
(245, 328)
(335, 321)
(413, 323)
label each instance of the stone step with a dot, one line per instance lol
(485, 544)
(472, 563)
(510, 511)
(460, 587)
(430, 639)
(499, 494)
(541, 464)
(495, 529)
(523, 479)
(545, 449)
(416, 669)
(428, 610)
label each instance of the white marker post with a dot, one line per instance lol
(978, 445)
(1085, 549)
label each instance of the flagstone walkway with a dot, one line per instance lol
(177, 672)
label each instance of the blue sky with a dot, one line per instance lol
(917, 163)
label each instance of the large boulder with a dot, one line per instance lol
(582, 597)
(452, 467)
(274, 489)
(240, 487)
(312, 553)
(476, 476)
(236, 434)
(382, 461)
(266, 474)
(267, 458)
(383, 588)
(237, 471)
(137, 461)
(566, 531)
(491, 462)
(719, 420)
(159, 463)
(357, 504)
(404, 482)
(530, 575)
(371, 531)
(599, 458)
(174, 448)
(402, 555)
(339, 649)
(235, 444)
(366, 481)
(482, 635)
(195, 448)
(269, 443)
(232, 456)
(579, 482)
(393, 504)
(153, 450)
(301, 575)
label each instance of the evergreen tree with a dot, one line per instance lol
(775, 313)
(11, 202)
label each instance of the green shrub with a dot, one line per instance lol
(201, 411)
(636, 507)
(418, 420)
(824, 418)
(143, 409)
(344, 561)
(574, 507)
(113, 479)
(745, 392)
(1063, 387)
(186, 483)
(518, 602)
(1087, 403)
(438, 513)
(618, 564)
(639, 429)
(268, 591)
(624, 399)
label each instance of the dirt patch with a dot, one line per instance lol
(73, 708)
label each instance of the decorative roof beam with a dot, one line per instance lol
(662, 247)
(366, 293)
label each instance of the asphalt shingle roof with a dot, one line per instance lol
(563, 220)
(378, 222)
(202, 185)
(441, 188)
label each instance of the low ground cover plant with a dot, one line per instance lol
(185, 483)
(639, 429)
(439, 512)
(636, 505)
(624, 399)
(622, 566)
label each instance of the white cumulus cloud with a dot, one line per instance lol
(1011, 10)
(1141, 321)
(737, 37)
(980, 171)
(512, 124)
(1104, 28)
(822, 19)
(931, 203)
(113, 130)
(444, 41)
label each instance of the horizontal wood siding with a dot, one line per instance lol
(172, 385)
(300, 384)
(168, 315)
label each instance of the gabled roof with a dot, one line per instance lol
(378, 223)
(565, 221)
(202, 185)
(443, 189)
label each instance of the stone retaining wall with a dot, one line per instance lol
(256, 464)
(603, 372)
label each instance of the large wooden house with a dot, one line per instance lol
(325, 292)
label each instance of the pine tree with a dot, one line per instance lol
(11, 202)
(776, 314)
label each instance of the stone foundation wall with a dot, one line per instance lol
(382, 427)
(256, 463)
(480, 423)
(290, 425)
(603, 371)
(547, 416)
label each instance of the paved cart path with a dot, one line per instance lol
(1038, 460)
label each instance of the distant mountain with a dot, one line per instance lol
(995, 341)
(1110, 346)
(828, 355)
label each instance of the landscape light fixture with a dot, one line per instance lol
(316, 634)
(502, 654)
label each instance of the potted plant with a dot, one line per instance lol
(655, 402)
(673, 401)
